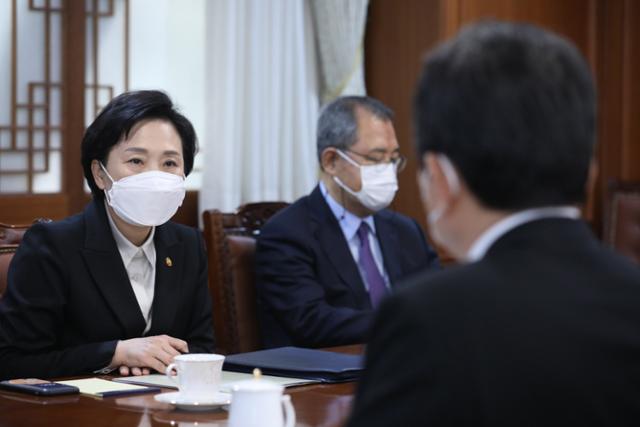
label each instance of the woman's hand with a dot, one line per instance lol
(137, 356)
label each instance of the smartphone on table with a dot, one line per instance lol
(38, 387)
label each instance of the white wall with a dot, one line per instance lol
(167, 46)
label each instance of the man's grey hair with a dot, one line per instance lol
(338, 125)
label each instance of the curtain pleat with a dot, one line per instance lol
(262, 103)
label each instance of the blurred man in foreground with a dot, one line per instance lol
(540, 325)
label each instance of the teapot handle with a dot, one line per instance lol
(289, 412)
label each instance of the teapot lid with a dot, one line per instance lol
(257, 383)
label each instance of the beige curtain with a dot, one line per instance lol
(339, 33)
(262, 102)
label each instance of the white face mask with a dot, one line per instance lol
(435, 213)
(147, 198)
(379, 184)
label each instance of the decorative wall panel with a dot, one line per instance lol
(30, 116)
(31, 133)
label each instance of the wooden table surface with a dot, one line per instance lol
(324, 405)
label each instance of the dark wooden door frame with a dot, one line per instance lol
(73, 60)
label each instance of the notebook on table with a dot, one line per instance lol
(228, 380)
(295, 362)
(104, 388)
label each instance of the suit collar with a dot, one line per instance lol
(98, 234)
(108, 271)
(543, 236)
(389, 244)
(169, 271)
(327, 231)
(479, 248)
(127, 249)
(349, 223)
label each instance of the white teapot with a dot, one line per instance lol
(259, 403)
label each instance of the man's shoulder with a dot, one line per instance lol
(453, 280)
(478, 282)
(296, 215)
(434, 290)
(621, 268)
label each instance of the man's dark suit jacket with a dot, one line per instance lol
(543, 331)
(69, 299)
(310, 290)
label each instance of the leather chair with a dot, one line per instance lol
(622, 218)
(10, 238)
(230, 240)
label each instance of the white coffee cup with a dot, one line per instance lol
(260, 403)
(199, 374)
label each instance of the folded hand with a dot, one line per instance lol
(125, 371)
(137, 356)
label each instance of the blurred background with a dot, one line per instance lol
(252, 76)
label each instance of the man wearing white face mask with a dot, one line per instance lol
(118, 286)
(539, 324)
(325, 263)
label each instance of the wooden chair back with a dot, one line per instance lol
(622, 218)
(10, 238)
(231, 244)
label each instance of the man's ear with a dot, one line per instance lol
(441, 186)
(425, 162)
(328, 160)
(435, 175)
(99, 176)
(422, 176)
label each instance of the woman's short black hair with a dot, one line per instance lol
(513, 107)
(116, 120)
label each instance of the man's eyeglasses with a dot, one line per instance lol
(398, 161)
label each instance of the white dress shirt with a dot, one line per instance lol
(349, 224)
(482, 244)
(140, 263)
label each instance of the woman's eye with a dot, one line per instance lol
(171, 163)
(135, 161)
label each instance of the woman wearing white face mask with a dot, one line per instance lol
(117, 286)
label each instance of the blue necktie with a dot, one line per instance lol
(377, 288)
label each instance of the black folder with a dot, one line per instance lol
(295, 362)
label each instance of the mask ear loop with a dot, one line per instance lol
(450, 173)
(104, 169)
(106, 193)
(451, 176)
(348, 159)
(343, 185)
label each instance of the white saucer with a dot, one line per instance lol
(206, 404)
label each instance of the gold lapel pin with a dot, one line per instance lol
(168, 261)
